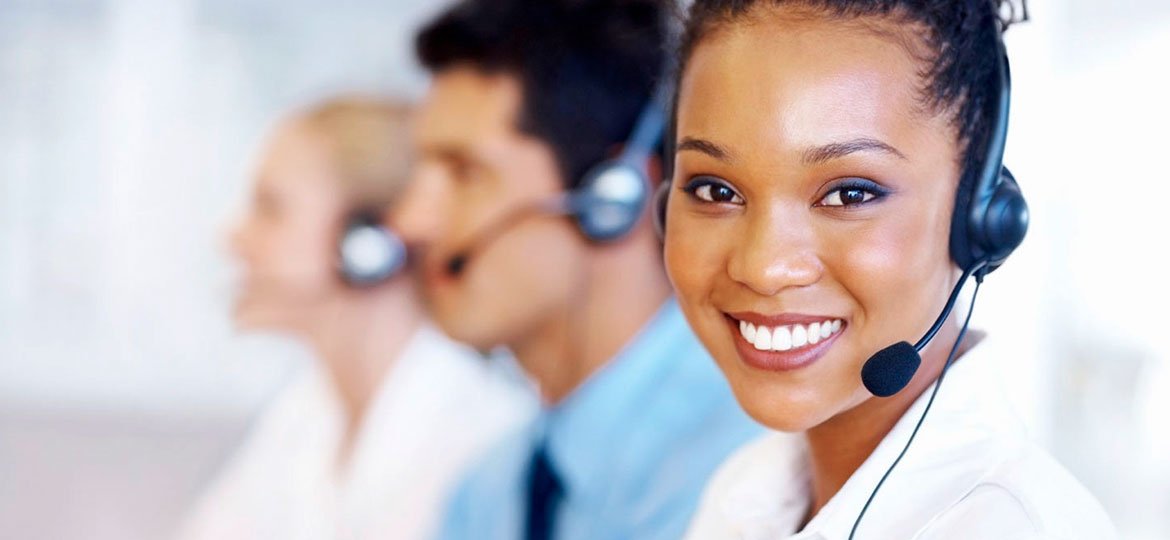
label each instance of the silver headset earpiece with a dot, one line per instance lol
(369, 253)
(612, 196)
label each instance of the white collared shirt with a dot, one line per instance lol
(971, 473)
(437, 409)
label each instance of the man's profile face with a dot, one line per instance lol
(475, 169)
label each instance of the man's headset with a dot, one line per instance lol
(606, 206)
(610, 199)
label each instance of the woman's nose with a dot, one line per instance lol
(777, 253)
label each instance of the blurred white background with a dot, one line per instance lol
(127, 130)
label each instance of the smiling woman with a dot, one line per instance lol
(808, 226)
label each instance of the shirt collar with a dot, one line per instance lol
(406, 401)
(770, 499)
(427, 358)
(944, 462)
(585, 431)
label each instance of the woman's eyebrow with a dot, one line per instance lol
(826, 152)
(706, 147)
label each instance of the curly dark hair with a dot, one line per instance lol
(960, 75)
(586, 67)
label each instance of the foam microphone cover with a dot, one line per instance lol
(890, 370)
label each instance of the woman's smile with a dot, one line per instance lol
(783, 342)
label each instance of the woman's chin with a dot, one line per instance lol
(781, 421)
(780, 407)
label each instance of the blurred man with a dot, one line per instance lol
(527, 97)
(368, 442)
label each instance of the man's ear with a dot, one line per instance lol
(655, 171)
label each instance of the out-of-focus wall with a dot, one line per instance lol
(1101, 135)
(127, 128)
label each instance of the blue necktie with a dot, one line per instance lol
(544, 495)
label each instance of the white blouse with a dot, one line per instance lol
(971, 473)
(439, 406)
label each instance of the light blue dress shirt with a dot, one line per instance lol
(633, 447)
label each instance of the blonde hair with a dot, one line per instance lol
(369, 139)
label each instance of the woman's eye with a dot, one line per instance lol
(853, 194)
(847, 197)
(713, 192)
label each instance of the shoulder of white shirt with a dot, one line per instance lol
(1002, 484)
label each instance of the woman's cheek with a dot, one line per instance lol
(689, 256)
(886, 269)
(694, 254)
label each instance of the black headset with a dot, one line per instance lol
(368, 251)
(990, 218)
(989, 223)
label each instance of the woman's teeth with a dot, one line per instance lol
(783, 338)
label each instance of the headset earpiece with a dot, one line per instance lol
(991, 220)
(611, 198)
(1004, 221)
(609, 202)
(368, 252)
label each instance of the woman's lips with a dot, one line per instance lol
(783, 342)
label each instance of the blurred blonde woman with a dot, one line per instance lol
(367, 443)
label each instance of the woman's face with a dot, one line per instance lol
(810, 204)
(286, 240)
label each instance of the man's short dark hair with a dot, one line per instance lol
(586, 67)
